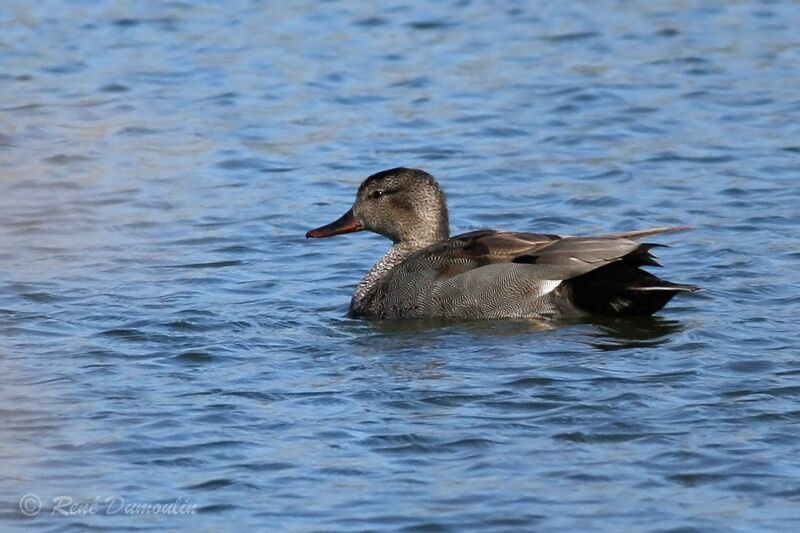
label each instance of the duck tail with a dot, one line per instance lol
(623, 289)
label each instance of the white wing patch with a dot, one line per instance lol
(548, 285)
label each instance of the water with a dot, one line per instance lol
(168, 334)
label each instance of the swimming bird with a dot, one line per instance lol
(489, 274)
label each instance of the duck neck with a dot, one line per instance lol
(396, 255)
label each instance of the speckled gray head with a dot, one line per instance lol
(404, 204)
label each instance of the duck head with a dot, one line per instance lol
(404, 204)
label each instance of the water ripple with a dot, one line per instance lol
(167, 331)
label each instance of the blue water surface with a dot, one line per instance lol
(167, 335)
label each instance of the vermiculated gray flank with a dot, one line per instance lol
(488, 273)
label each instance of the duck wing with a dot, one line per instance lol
(559, 258)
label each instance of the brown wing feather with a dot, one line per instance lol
(640, 234)
(501, 246)
(475, 249)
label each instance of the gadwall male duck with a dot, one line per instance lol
(488, 273)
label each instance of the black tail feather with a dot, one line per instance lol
(624, 289)
(642, 255)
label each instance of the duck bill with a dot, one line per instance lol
(347, 223)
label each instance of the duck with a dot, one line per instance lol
(487, 273)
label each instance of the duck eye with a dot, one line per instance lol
(376, 194)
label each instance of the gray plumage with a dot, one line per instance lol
(488, 273)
